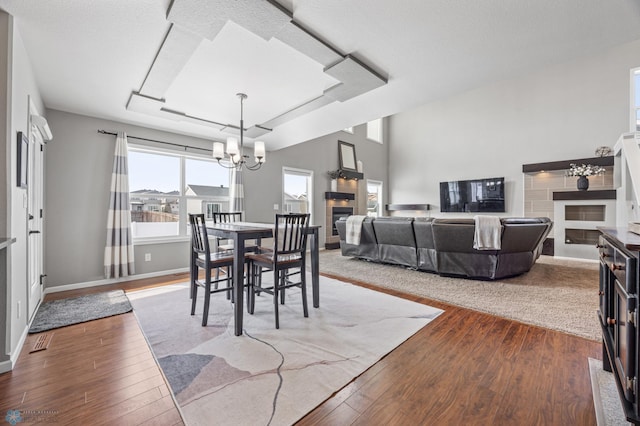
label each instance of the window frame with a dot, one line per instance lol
(182, 198)
(634, 109)
(299, 172)
(380, 185)
(380, 126)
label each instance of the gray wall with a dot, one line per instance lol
(78, 173)
(557, 113)
(264, 189)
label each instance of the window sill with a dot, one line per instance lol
(160, 240)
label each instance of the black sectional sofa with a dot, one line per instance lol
(445, 246)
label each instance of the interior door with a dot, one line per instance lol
(35, 194)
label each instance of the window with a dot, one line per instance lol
(297, 190)
(635, 97)
(165, 186)
(213, 208)
(374, 198)
(374, 130)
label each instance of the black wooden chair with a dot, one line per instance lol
(203, 258)
(226, 217)
(287, 254)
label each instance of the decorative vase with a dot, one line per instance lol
(334, 185)
(583, 183)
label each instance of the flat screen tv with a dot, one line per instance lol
(477, 195)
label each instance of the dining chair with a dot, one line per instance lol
(288, 252)
(226, 217)
(203, 258)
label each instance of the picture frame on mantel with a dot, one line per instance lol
(347, 155)
(22, 160)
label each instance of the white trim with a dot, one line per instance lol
(13, 357)
(143, 241)
(97, 283)
(632, 100)
(309, 175)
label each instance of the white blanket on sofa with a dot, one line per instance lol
(488, 232)
(353, 229)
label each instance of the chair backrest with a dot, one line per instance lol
(290, 233)
(199, 237)
(227, 217)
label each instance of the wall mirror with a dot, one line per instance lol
(347, 154)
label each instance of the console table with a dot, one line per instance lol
(619, 251)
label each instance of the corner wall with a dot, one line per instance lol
(557, 113)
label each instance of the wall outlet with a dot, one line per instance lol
(147, 257)
(276, 207)
(19, 310)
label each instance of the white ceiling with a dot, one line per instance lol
(97, 57)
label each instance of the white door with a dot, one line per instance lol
(35, 194)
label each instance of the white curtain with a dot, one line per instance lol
(236, 196)
(118, 253)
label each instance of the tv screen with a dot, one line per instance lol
(477, 195)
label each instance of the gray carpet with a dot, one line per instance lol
(63, 312)
(560, 294)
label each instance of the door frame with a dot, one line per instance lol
(34, 213)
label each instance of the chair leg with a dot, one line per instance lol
(303, 287)
(276, 277)
(283, 282)
(194, 297)
(207, 297)
(229, 282)
(250, 289)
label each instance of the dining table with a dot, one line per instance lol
(239, 233)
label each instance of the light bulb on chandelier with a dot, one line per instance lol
(235, 152)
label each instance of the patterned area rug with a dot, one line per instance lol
(268, 376)
(63, 312)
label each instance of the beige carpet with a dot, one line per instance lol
(268, 376)
(561, 294)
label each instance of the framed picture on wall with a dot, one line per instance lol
(347, 154)
(22, 160)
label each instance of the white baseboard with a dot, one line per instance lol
(97, 283)
(13, 357)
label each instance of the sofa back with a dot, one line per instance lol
(396, 240)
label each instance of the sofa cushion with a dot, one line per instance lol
(396, 240)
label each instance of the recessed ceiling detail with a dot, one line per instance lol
(195, 22)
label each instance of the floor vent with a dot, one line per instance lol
(42, 342)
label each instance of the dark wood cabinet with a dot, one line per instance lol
(619, 251)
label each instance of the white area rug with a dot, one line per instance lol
(269, 376)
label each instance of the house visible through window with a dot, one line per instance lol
(213, 208)
(297, 194)
(164, 187)
(374, 198)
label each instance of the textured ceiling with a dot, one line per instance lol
(309, 67)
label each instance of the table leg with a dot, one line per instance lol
(315, 268)
(238, 282)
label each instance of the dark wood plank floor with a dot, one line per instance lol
(466, 368)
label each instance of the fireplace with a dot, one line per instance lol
(337, 213)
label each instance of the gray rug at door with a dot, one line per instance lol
(63, 312)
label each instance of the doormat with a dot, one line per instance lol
(75, 310)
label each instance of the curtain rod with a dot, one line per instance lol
(104, 132)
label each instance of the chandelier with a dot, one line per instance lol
(235, 153)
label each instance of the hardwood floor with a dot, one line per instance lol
(466, 367)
